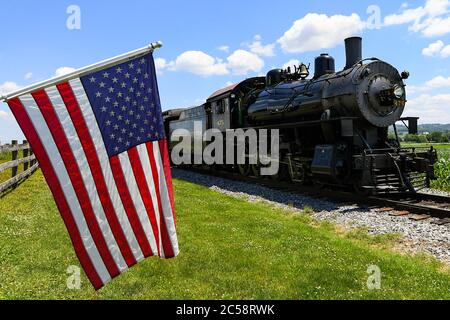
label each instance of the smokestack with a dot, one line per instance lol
(353, 51)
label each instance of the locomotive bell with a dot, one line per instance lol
(303, 71)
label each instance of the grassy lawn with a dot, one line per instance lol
(230, 249)
(5, 175)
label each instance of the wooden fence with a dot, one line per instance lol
(28, 160)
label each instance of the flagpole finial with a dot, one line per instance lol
(156, 45)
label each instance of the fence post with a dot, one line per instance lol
(15, 153)
(25, 154)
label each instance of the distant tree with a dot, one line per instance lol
(435, 136)
(391, 136)
(422, 139)
(411, 138)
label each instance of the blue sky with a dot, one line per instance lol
(209, 44)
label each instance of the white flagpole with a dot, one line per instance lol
(83, 71)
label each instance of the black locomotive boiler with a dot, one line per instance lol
(334, 126)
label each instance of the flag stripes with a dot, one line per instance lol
(118, 210)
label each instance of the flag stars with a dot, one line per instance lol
(122, 98)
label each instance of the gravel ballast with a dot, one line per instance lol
(417, 236)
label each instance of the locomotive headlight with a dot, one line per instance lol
(399, 91)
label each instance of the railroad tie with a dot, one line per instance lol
(419, 217)
(400, 213)
(442, 221)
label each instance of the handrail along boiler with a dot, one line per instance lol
(333, 126)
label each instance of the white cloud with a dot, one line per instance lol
(407, 16)
(63, 71)
(224, 48)
(200, 63)
(241, 62)
(4, 115)
(262, 50)
(160, 65)
(445, 52)
(319, 31)
(8, 87)
(28, 76)
(431, 20)
(437, 48)
(430, 108)
(435, 83)
(291, 63)
(433, 48)
(438, 82)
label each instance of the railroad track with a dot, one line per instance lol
(418, 206)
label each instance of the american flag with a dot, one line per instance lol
(100, 142)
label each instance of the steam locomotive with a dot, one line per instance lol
(334, 126)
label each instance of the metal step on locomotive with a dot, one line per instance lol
(334, 126)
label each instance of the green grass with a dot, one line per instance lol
(230, 249)
(5, 157)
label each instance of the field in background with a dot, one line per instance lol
(5, 175)
(230, 249)
(442, 168)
